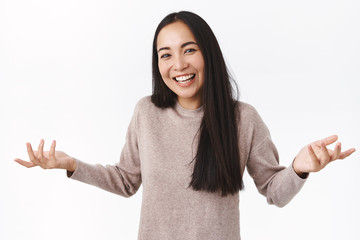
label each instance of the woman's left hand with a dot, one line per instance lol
(315, 156)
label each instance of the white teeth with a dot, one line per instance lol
(185, 81)
(185, 78)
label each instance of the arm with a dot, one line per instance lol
(124, 178)
(277, 183)
(260, 156)
(280, 184)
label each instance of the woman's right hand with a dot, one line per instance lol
(48, 159)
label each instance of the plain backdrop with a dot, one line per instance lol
(73, 71)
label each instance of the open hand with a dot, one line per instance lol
(48, 159)
(315, 156)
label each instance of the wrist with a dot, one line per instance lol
(299, 173)
(72, 165)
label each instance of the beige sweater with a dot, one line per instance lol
(159, 147)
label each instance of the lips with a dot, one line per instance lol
(184, 78)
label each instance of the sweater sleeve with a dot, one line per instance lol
(123, 178)
(277, 183)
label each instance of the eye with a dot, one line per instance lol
(190, 50)
(165, 55)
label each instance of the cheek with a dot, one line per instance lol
(199, 64)
(164, 70)
(201, 69)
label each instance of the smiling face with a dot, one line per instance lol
(181, 64)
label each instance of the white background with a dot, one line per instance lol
(73, 70)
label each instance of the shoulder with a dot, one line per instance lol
(145, 108)
(144, 105)
(142, 111)
(144, 101)
(249, 121)
(247, 113)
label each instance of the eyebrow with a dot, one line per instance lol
(182, 46)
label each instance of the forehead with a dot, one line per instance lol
(174, 35)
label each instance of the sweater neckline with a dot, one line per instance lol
(199, 112)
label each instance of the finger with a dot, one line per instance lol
(313, 156)
(326, 157)
(346, 153)
(41, 148)
(336, 153)
(329, 140)
(324, 150)
(52, 149)
(31, 153)
(25, 163)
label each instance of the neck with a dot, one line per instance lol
(190, 103)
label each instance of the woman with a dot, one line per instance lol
(189, 144)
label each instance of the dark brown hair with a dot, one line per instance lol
(217, 162)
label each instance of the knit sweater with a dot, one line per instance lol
(158, 153)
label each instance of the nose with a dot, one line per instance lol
(180, 63)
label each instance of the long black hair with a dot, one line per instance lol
(217, 162)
